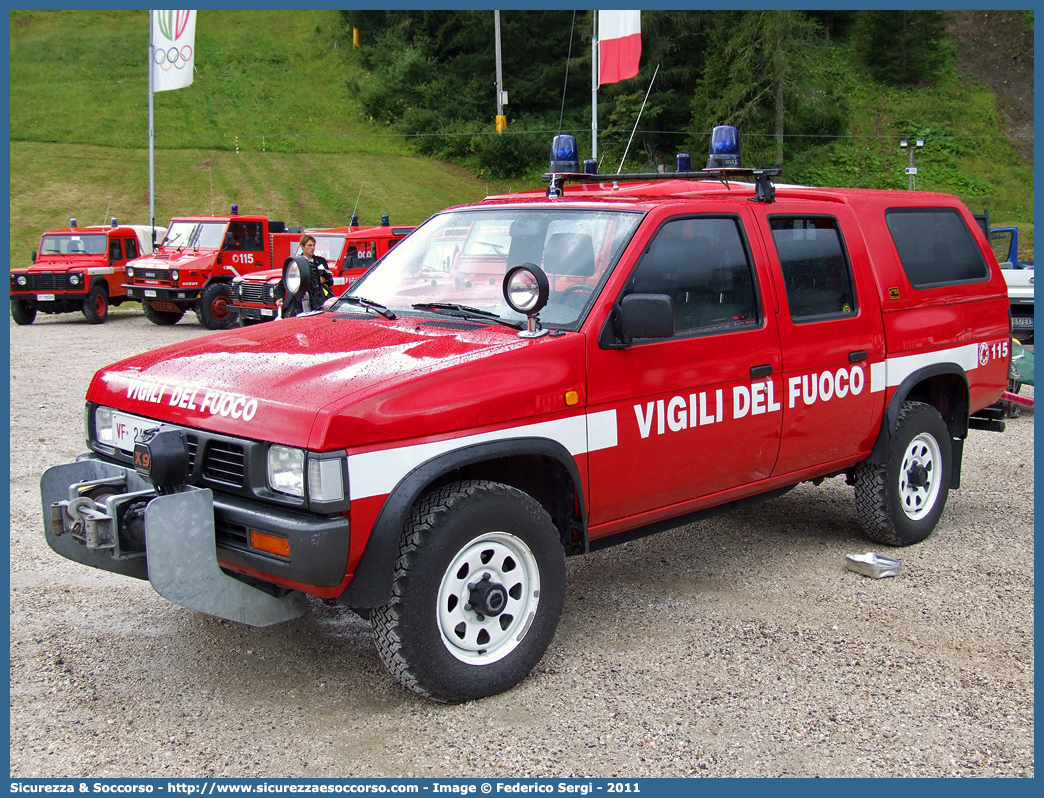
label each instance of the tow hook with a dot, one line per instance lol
(81, 519)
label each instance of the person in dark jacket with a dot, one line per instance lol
(319, 290)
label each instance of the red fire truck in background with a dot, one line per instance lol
(194, 267)
(79, 269)
(349, 251)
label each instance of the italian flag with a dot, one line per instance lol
(619, 45)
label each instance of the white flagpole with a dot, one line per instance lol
(152, 135)
(594, 86)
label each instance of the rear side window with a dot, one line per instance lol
(816, 272)
(132, 248)
(935, 247)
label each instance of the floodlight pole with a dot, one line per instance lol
(911, 170)
(152, 136)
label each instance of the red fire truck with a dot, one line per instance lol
(536, 376)
(349, 251)
(79, 269)
(194, 267)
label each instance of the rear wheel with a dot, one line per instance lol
(96, 305)
(22, 312)
(478, 591)
(212, 308)
(900, 502)
(163, 318)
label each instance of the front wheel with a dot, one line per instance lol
(212, 308)
(478, 590)
(96, 305)
(22, 312)
(900, 502)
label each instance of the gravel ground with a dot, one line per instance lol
(739, 646)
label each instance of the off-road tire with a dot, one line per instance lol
(212, 307)
(22, 312)
(450, 531)
(96, 305)
(164, 318)
(892, 508)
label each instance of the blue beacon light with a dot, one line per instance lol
(724, 148)
(564, 158)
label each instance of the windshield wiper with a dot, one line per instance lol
(465, 311)
(370, 305)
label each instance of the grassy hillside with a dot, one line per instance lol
(267, 123)
(270, 124)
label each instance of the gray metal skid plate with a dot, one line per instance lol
(183, 567)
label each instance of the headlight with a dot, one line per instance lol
(325, 482)
(22, 280)
(103, 425)
(293, 278)
(286, 470)
(130, 271)
(174, 275)
(74, 279)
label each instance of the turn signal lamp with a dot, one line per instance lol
(724, 148)
(269, 543)
(564, 156)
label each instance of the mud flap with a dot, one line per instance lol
(183, 567)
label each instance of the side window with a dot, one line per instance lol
(244, 236)
(131, 247)
(816, 271)
(703, 266)
(115, 251)
(935, 247)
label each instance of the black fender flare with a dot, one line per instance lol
(372, 582)
(958, 426)
(98, 279)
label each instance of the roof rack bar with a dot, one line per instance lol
(726, 174)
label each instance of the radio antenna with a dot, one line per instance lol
(636, 120)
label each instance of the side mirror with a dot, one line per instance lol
(646, 316)
(33, 255)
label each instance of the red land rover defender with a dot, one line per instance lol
(194, 267)
(535, 376)
(79, 269)
(253, 295)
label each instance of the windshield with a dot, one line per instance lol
(461, 257)
(204, 235)
(328, 247)
(73, 244)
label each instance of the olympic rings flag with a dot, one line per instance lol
(173, 49)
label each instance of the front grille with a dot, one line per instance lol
(253, 292)
(192, 443)
(153, 274)
(49, 281)
(225, 462)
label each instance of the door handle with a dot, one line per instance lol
(854, 357)
(761, 371)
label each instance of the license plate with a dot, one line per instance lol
(127, 429)
(267, 312)
(1022, 321)
(151, 294)
(45, 297)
